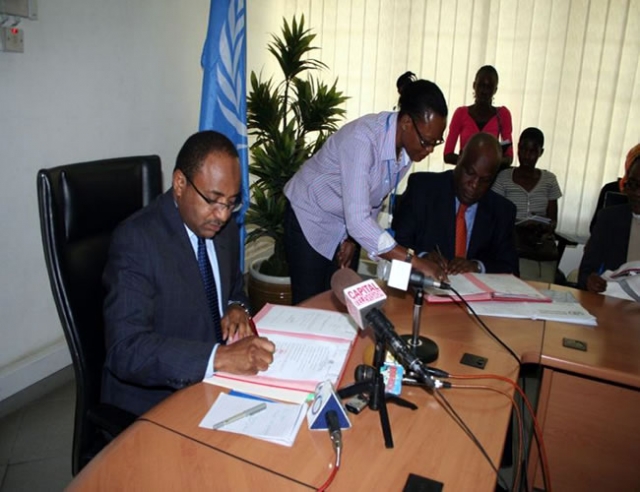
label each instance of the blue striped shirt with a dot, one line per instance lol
(340, 190)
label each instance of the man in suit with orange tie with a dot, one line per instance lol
(455, 219)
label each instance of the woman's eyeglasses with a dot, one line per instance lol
(423, 141)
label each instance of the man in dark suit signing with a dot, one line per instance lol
(174, 287)
(455, 219)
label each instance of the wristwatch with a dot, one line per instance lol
(241, 305)
(410, 254)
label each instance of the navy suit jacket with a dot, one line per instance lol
(158, 327)
(608, 245)
(426, 218)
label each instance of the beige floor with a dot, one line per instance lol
(35, 437)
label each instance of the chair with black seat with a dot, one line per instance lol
(80, 205)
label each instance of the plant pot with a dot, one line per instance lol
(266, 288)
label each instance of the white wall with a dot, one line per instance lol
(97, 79)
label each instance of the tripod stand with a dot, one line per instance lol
(373, 385)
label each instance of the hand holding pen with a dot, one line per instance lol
(438, 258)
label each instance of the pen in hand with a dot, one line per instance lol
(441, 260)
(246, 413)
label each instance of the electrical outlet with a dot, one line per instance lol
(12, 39)
(474, 361)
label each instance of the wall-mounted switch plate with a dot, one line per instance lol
(12, 39)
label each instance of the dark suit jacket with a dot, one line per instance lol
(608, 245)
(426, 217)
(158, 328)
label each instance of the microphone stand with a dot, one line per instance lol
(423, 348)
(375, 388)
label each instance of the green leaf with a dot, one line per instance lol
(290, 120)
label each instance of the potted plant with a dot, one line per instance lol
(290, 121)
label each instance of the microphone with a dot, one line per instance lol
(362, 300)
(359, 296)
(333, 425)
(400, 275)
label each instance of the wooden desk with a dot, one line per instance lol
(590, 401)
(582, 396)
(427, 441)
(149, 457)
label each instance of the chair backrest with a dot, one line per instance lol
(80, 205)
(612, 198)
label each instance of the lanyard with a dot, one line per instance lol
(394, 190)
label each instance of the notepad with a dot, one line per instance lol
(278, 422)
(312, 345)
(487, 287)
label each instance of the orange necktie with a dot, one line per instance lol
(461, 232)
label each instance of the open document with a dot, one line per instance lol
(486, 287)
(312, 345)
(624, 282)
(278, 422)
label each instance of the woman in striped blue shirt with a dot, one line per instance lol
(335, 198)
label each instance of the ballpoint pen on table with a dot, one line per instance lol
(241, 415)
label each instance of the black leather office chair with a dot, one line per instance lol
(80, 205)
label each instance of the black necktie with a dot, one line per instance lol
(209, 287)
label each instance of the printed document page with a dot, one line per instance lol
(299, 359)
(306, 321)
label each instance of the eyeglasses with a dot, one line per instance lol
(232, 207)
(423, 141)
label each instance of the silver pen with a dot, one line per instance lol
(241, 415)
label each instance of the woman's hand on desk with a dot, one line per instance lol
(246, 356)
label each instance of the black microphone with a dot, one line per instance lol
(362, 299)
(399, 275)
(333, 425)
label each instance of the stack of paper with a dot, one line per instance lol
(278, 422)
(565, 312)
(312, 345)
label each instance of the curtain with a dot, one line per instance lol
(568, 67)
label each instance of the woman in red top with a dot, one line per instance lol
(481, 116)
